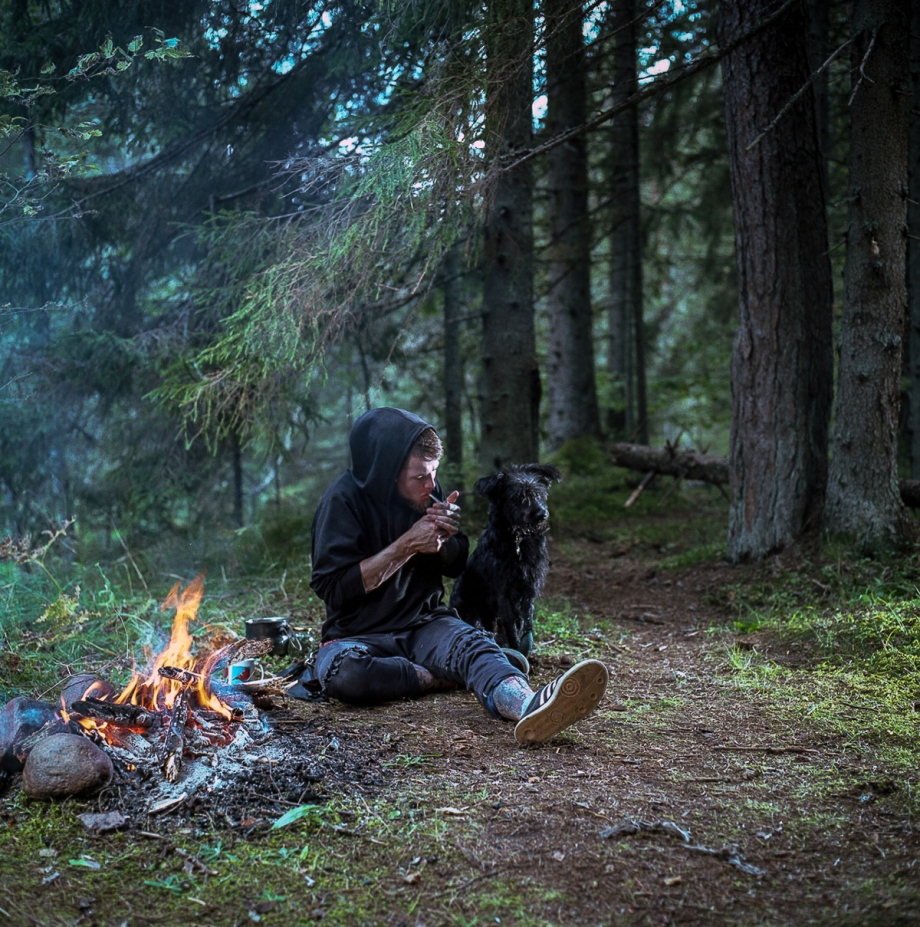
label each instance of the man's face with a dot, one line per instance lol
(416, 481)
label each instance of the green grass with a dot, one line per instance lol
(352, 863)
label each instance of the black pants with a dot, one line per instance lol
(374, 668)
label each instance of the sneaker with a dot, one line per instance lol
(517, 660)
(565, 700)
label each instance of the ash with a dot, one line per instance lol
(276, 760)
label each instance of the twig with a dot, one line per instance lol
(640, 488)
(766, 749)
(194, 861)
(797, 95)
(862, 66)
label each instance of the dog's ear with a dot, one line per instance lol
(545, 473)
(487, 485)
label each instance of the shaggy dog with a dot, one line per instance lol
(505, 572)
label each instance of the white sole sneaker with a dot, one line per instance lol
(567, 699)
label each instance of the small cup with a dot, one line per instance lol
(242, 671)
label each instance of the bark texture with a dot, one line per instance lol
(571, 388)
(913, 242)
(628, 414)
(453, 367)
(863, 501)
(782, 356)
(510, 401)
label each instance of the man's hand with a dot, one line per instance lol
(427, 536)
(446, 515)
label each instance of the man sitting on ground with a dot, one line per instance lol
(384, 536)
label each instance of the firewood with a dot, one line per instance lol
(180, 675)
(115, 713)
(240, 650)
(175, 738)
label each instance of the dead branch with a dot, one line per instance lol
(640, 488)
(670, 462)
(757, 749)
(704, 468)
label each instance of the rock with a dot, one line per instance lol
(19, 719)
(65, 764)
(103, 821)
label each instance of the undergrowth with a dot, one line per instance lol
(844, 612)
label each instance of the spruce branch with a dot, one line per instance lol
(653, 88)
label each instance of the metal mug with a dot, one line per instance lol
(277, 630)
(242, 671)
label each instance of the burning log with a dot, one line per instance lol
(175, 738)
(115, 713)
(180, 675)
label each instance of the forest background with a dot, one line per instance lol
(222, 246)
(562, 232)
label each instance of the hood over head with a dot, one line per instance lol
(380, 441)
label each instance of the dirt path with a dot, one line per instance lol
(685, 800)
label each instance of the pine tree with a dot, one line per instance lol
(782, 361)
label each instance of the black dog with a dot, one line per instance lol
(506, 571)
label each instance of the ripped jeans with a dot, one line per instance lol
(369, 669)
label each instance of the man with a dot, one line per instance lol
(384, 535)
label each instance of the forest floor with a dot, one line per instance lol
(725, 779)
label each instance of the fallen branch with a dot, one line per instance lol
(671, 462)
(756, 749)
(729, 852)
(705, 468)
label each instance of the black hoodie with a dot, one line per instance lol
(360, 515)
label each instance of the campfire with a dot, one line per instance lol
(177, 707)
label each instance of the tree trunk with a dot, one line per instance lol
(913, 242)
(624, 315)
(863, 499)
(571, 386)
(782, 359)
(453, 367)
(511, 379)
(819, 17)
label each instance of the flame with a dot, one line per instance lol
(154, 692)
